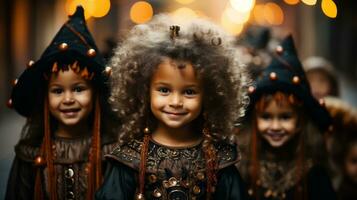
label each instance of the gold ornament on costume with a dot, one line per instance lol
(39, 161)
(279, 50)
(196, 189)
(146, 130)
(139, 196)
(273, 76)
(30, 63)
(251, 89)
(9, 103)
(108, 71)
(63, 46)
(14, 82)
(157, 193)
(91, 53)
(296, 80)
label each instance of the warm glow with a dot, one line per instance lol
(141, 12)
(309, 2)
(242, 5)
(291, 2)
(184, 14)
(71, 6)
(329, 8)
(235, 16)
(185, 2)
(258, 14)
(273, 14)
(98, 8)
(230, 26)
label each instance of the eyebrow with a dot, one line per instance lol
(168, 84)
(60, 85)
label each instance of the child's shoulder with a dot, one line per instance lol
(27, 150)
(130, 153)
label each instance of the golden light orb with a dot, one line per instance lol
(141, 12)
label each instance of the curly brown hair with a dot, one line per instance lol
(210, 51)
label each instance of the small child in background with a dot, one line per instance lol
(179, 91)
(344, 147)
(285, 146)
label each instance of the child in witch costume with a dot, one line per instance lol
(286, 145)
(177, 88)
(64, 97)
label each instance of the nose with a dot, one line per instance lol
(275, 124)
(176, 100)
(68, 98)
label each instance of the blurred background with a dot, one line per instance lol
(326, 28)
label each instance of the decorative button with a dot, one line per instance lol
(196, 189)
(173, 181)
(152, 178)
(139, 196)
(70, 195)
(200, 176)
(157, 193)
(69, 173)
(14, 82)
(39, 161)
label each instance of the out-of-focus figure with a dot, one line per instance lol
(344, 147)
(322, 77)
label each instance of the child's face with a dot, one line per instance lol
(69, 97)
(351, 163)
(277, 123)
(320, 83)
(175, 94)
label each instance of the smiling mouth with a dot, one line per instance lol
(70, 112)
(175, 113)
(276, 136)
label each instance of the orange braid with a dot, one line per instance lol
(95, 162)
(211, 164)
(142, 169)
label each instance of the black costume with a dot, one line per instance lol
(172, 173)
(70, 162)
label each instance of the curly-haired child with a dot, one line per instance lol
(285, 143)
(64, 96)
(179, 90)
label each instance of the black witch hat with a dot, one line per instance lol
(72, 43)
(285, 74)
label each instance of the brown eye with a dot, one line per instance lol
(56, 90)
(190, 92)
(163, 90)
(79, 89)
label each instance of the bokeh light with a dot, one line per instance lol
(329, 8)
(141, 12)
(236, 16)
(92, 8)
(231, 26)
(98, 8)
(291, 2)
(71, 6)
(309, 2)
(242, 5)
(258, 14)
(184, 14)
(185, 2)
(273, 13)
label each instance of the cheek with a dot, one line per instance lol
(262, 125)
(157, 101)
(291, 126)
(53, 101)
